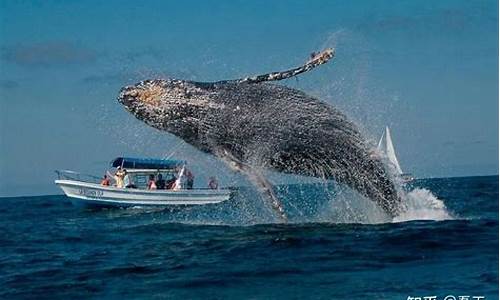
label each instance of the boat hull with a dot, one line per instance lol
(91, 194)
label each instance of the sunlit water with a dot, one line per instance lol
(336, 246)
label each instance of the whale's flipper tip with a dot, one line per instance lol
(315, 60)
(321, 57)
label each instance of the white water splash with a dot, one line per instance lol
(421, 204)
(345, 205)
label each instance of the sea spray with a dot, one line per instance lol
(421, 204)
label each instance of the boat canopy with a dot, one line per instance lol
(146, 163)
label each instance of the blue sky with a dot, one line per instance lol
(429, 69)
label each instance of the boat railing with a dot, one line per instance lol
(72, 175)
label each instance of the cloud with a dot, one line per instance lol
(47, 54)
(446, 19)
(109, 78)
(467, 143)
(8, 84)
(112, 78)
(148, 52)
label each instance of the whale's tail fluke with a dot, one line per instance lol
(316, 60)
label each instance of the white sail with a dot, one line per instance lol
(379, 146)
(391, 153)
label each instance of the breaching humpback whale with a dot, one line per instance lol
(253, 125)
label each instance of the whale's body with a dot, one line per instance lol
(258, 125)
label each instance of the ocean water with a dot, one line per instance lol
(337, 246)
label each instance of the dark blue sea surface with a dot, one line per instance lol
(53, 250)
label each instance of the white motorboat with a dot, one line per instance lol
(86, 189)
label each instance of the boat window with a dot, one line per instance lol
(141, 180)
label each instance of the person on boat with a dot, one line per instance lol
(127, 181)
(171, 183)
(189, 179)
(213, 184)
(160, 183)
(118, 177)
(152, 183)
(105, 180)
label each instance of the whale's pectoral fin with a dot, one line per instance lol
(266, 188)
(316, 60)
(256, 178)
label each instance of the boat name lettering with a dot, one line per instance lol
(90, 193)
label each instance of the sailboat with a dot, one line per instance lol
(390, 153)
